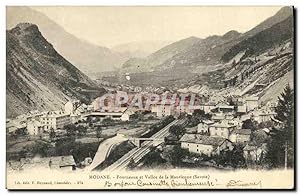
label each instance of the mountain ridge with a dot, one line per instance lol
(198, 55)
(86, 56)
(38, 77)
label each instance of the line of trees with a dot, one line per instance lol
(280, 149)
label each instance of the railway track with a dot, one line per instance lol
(138, 153)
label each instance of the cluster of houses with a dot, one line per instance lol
(36, 123)
(224, 130)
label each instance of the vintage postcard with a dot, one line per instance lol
(144, 98)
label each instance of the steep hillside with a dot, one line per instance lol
(264, 74)
(87, 57)
(149, 63)
(204, 55)
(201, 56)
(37, 76)
(263, 40)
(280, 16)
(205, 61)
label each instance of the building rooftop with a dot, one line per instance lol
(202, 139)
(207, 122)
(223, 124)
(242, 131)
(112, 110)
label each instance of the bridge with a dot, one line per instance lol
(137, 153)
(138, 141)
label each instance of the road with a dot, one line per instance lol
(138, 153)
(104, 150)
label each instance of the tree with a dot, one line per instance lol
(233, 157)
(250, 124)
(52, 134)
(153, 159)
(98, 132)
(176, 155)
(131, 164)
(70, 129)
(198, 113)
(177, 130)
(108, 121)
(137, 116)
(21, 132)
(225, 84)
(281, 147)
(82, 130)
(197, 116)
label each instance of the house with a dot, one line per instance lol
(224, 107)
(251, 102)
(191, 129)
(201, 144)
(203, 126)
(206, 107)
(262, 115)
(33, 115)
(75, 118)
(115, 113)
(166, 109)
(183, 109)
(240, 135)
(216, 98)
(104, 101)
(222, 129)
(266, 115)
(55, 120)
(254, 152)
(35, 127)
(13, 125)
(241, 107)
(154, 108)
(217, 117)
(220, 116)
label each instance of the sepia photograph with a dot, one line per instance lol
(150, 97)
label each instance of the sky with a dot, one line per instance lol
(110, 26)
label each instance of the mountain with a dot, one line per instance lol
(261, 65)
(159, 57)
(88, 57)
(38, 77)
(280, 16)
(194, 56)
(263, 40)
(139, 49)
(190, 53)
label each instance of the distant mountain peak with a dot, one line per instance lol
(286, 11)
(25, 27)
(88, 57)
(38, 77)
(192, 37)
(231, 34)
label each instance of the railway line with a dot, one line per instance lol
(138, 153)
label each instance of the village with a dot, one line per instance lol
(213, 125)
